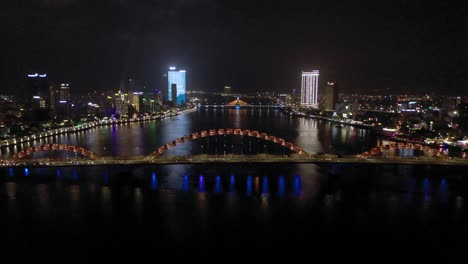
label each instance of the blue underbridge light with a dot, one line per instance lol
(297, 185)
(281, 186)
(218, 186)
(201, 184)
(154, 181)
(58, 174)
(249, 185)
(232, 184)
(265, 186)
(106, 177)
(185, 183)
(26, 172)
(443, 191)
(75, 175)
(10, 172)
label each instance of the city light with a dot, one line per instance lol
(172, 68)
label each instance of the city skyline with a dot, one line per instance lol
(260, 47)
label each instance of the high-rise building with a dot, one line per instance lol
(164, 88)
(331, 95)
(64, 92)
(158, 98)
(309, 88)
(121, 103)
(176, 77)
(174, 93)
(227, 89)
(36, 90)
(54, 96)
(135, 99)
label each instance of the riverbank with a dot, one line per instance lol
(87, 126)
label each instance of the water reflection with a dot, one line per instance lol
(218, 187)
(185, 183)
(265, 186)
(232, 184)
(249, 185)
(106, 177)
(443, 191)
(283, 196)
(281, 186)
(75, 175)
(154, 181)
(201, 184)
(297, 185)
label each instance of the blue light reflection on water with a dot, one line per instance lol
(249, 185)
(281, 186)
(75, 175)
(443, 191)
(232, 184)
(185, 183)
(106, 177)
(218, 186)
(201, 184)
(297, 185)
(265, 186)
(426, 189)
(154, 181)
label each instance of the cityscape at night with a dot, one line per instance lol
(128, 127)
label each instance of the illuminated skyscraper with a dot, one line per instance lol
(36, 90)
(135, 99)
(121, 103)
(64, 92)
(54, 93)
(309, 88)
(227, 89)
(177, 78)
(330, 96)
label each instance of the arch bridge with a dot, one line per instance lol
(55, 147)
(228, 131)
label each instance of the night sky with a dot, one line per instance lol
(403, 46)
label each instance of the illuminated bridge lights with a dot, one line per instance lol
(54, 147)
(228, 131)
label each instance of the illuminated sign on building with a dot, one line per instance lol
(177, 78)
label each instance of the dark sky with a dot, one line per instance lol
(412, 46)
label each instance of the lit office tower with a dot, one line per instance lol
(227, 89)
(176, 77)
(121, 103)
(64, 92)
(135, 100)
(36, 91)
(309, 88)
(54, 92)
(330, 96)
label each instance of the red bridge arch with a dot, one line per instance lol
(228, 131)
(54, 147)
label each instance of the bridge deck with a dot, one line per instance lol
(233, 160)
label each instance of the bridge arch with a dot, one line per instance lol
(228, 131)
(54, 147)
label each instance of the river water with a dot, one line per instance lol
(291, 209)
